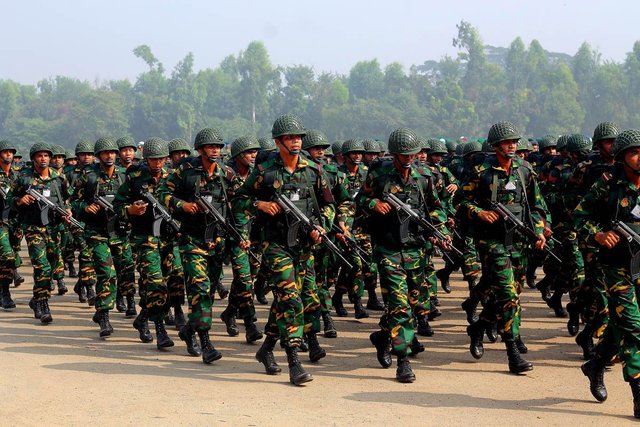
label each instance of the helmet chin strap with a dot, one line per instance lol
(109, 163)
(8, 161)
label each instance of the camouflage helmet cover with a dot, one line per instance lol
(502, 131)
(288, 124)
(626, 139)
(208, 136)
(404, 141)
(315, 138)
(155, 148)
(242, 144)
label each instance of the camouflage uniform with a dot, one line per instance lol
(7, 255)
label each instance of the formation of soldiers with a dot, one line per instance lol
(310, 221)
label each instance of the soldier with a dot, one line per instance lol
(178, 150)
(7, 256)
(296, 309)
(70, 158)
(39, 222)
(57, 164)
(608, 208)
(201, 248)
(126, 151)
(399, 255)
(105, 232)
(371, 151)
(336, 149)
(505, 179)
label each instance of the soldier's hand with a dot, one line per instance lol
(93, 208)
(270, 208)
(244, 245)
(547, 231)
(26, 200)
(67, 217)
(345, 230)
(488, 216)
(137, 208)
(539, 245)
(451, 222)
(452, 188)
(382, 208)
(608, 239)
(190, 208)
(316, 235)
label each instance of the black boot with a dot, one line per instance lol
(315, 351)
(635, 391)
(373, 303)
(62, 288)
(531, 275)
(265, 356)
(361, 312)
(329, 327)
(252, 334)
(81, 290)
(297, 374)
(179, 318)
(187, 334)
(101, 317)
(573, 324)
(259, 288)
(492, 332)
(585, 341)
(142, 325)
(46, 312)
(443, 276)
(72, 270)
(470, 305)
(209, 353)
(435, 302)
(222, 291)
(416, 346)
(594, 370)
(91, 295)
(424, 328)
(304, 346)
(544, 286)
(131, 307)
(472, 283)
(381, 342)
(228, 316)
(7, 302)
(404, 374)
(162, 337)
(169, 320)
(520, 345)
(120, 304)
(555, 303)
(517, 364)
(476, 333)
(37, 309)
(17, 278)
(434, 312)
(336, 299)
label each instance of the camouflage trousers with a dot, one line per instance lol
(7, 257)
(296, 308)
(401, 282)
(591, 298)
(469, 262)
(58, 268)
(202, 263)
(351, 281)
(241, 292)
(110, 254)
(320, 266)
(172, 271)
(153, 289)
(86, 274)
(68, 247)
(622, 335)
(42, 251)
(15, 239)
(369, 269)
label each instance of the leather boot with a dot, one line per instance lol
(304, 346)
(585, 341)
(7, 302)
(594, 370)
(209, 353)
(120, 304)
(476, 333)
(297, 374)
(252, 333)
(381, 341)
(531, 275)
(72, 270)
(435, 302)
(470, 305)
(373, 303)
(37, 309)
(162, 337)
(62, 288)
(361, 312)
(329, 327)
(266, 357)
(101, 317)
(228, 316)
(544, 286)
(517, 364)
(404, 374)
(187, 334)
(179, 318)
(336, 299)
(141, 323)
(635, 391)
(492, 332)
(222, 291)
(131, 307)
(17, 278)
(434, 312)
(424, 328)
(472, 283)
(315, 351)
(573, 324)
(46, 312)
(416, 346)
(555, 303)
(443, 276)
(259, 288)
(81, 290)
(522, 349)
(91, 295)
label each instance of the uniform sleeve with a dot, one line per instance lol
(539, 212)
(77, 200)
(242, 207)
(585, 215)
(366, 195)
(121, 199)
(469, 197)
(167, 190)
(437, 215)
(325, 200)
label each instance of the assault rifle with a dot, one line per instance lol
(48, 204)
(631, 236)
(162, 215)
(300, 219)
(352, 245)
(510, 218)
(410, 215)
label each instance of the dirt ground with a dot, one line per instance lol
(64, 374)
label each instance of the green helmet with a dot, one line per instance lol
(624, 140)
(404, 141)
(561, 142)
(605, 130)
(18, 154)
(58, 150)
(437, 147)
(242, 144)
(39, 146)
(70, 155)
(460, 149)
(487, 147)
(208, 136)
(451, 145)
(471, 147)
(84, 146)
(502, 131)
(424, 143)
(548, 141)
(179, 144)
(287, 124)
(315, 138)
(577, 142)
(371, 146)
(155, 148)
(126, 142)
(104, 144)
(267, 144)
(7, 145)
(336, 147)
(383, 146)
(353, 146)
(524, 145)
(328, 151)
(137, 155)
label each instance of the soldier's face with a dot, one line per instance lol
(85, 158)
(156, 165)
(7, 156)
(316, 153)
(370, 157)
(71, 162)
(291, 144)
(126, 154)
(41, 159)
(248, 158)
(176, 156)
(435, 158)
(551, 151)
(211, 152)
(355, 158)
(422, 157)
(606, 146)
(107, 158)
(57, 161)
(403, 161)
(507, 149)
(522, 154)
(632, 159)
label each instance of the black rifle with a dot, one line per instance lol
(160, 215)
(632, 237)
(300, 219)
(411, 215)
(510, 218)
(48, 204)
(352, 245)
(215, 219)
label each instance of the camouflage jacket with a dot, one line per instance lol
(353, 184)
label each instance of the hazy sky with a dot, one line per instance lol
(94, 40)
